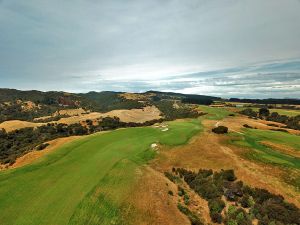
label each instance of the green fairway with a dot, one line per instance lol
(214, 113)
(253, 137)
(86, 181)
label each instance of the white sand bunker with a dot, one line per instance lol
(154, 146)
(162, 127)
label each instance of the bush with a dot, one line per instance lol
(220, 130)
(229, 175)
(194, 219)
(42, 146)
(216, 205)
(264, 112)
(281, 130)
(216, 217)
(186, 199)
(247, 126)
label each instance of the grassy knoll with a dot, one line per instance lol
(252, 139)
(86, 181)
(215, 113)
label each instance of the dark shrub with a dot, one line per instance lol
(281, 130)
(220, 130)
(216, 205)
(194, 219)
(264, 112)
(42, 146)
(229, 175)
(216, 217)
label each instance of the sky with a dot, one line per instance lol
(228, 48)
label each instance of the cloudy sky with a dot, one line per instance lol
(228, 48)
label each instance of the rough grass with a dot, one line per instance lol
(86, 181)
(253, 138)
(214, 113)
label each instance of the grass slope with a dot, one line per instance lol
(86, 181)
(214, 113)
(253, 137)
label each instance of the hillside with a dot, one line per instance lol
(146, 158)
(28, 105)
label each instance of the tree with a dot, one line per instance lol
(220, 130)
(264, 112)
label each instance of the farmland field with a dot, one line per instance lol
(85, 181)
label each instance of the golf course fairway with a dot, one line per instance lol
(85, 181)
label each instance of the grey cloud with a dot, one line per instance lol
(87, 45)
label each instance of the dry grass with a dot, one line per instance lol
(136, 96)
(152, 203)
(209, 150)
(133, 115)
(18, 124)
(236, 124)
(68, 112)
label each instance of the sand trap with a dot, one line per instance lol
(154, 146)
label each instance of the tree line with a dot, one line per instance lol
(292, 122)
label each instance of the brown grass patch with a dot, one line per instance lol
(210, 151)
(152, 203)
(236, 124)
(136, 96)
(134, 115)
(11, 125)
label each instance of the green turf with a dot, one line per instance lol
(86, 181)
(252, 139)
(214, 113)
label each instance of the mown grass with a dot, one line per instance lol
(214, 113)
(86, 181)
(252, 139)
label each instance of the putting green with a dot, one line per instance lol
(86, 181)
